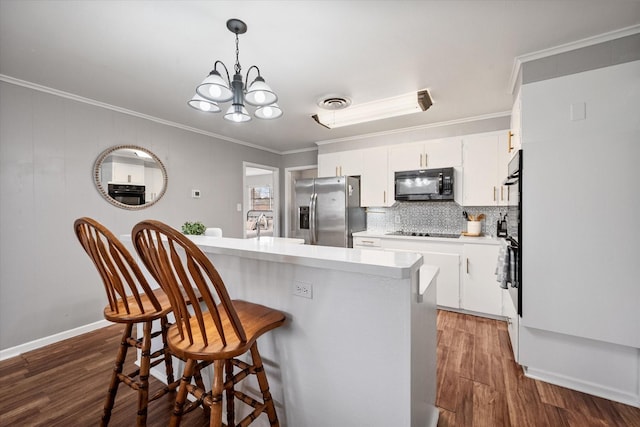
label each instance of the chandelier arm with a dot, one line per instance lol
(247, 75)
(215, 66)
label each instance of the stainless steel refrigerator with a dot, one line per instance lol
(327, 211)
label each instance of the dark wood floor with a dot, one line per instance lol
(478, 385)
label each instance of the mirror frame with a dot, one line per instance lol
(97, 176)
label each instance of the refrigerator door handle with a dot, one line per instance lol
(313, 238)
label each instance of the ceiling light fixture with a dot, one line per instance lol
(384, 108)
(215, 89)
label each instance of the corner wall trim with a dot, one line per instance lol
(52, 339)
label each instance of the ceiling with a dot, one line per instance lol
(148, 56)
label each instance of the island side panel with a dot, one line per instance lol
(344, 355)
(424, 342)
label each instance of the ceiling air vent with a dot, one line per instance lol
(334, 103)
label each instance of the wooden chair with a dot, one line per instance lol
(131, 301)
(218, 331)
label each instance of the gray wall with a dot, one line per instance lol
(48, 145)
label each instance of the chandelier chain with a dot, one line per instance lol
(237, 67)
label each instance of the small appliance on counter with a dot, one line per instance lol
(501, 226)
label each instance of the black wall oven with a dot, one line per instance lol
(514, 229)
(127, 193)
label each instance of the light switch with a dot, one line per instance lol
(578, 111)
(239, 207)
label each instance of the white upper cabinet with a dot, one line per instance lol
(437, 153)
(374, 183)
(515, 137)
(125, 172)
(485, 158)
(340, 163)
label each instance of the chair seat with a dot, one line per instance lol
(256, 319)
(135, 314)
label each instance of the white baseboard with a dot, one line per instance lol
(584, 386)
(51, 339)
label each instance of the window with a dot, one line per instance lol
(261, 198)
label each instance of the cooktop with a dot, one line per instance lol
(421, 234)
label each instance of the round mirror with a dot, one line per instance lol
(130, 177)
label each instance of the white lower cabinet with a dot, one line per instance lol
(513, 322)
(444, 255)
(466, 280)
(480, 291)
(448, 281)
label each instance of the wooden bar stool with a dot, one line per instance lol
(131, 301)
(218, 331)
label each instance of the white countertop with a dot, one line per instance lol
(395, 265)
(487, 240)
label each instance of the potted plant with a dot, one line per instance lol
(196, 227)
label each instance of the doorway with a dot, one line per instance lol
(291, 176)
(260, 200)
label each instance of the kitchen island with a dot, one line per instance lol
(359, 344)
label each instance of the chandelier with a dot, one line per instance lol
(215, 89)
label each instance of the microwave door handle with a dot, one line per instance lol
(440, 183)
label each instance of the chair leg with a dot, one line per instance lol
(176, 416)
(264, 386)
(143, 384)
(215, 419)
(168, 359)
(228, 366)
(115, 376)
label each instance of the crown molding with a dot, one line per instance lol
(82, 99)
(567, 47)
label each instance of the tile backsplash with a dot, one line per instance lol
(433, 217)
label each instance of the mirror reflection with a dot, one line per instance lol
(130, 177)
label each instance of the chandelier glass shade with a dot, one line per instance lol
(215, 88)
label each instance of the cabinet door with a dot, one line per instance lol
(374, 189)
(128, 173)
(442, 153)
(504, 155)
(406, 157)
(513, 322)
(448, 281)
(480, 157)
(515, 141)
(480, 291)
(340, 163)
(328, 165)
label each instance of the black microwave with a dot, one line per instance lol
(424, 185)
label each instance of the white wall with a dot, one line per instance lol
(48, 145)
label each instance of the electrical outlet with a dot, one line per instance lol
(303, 289)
